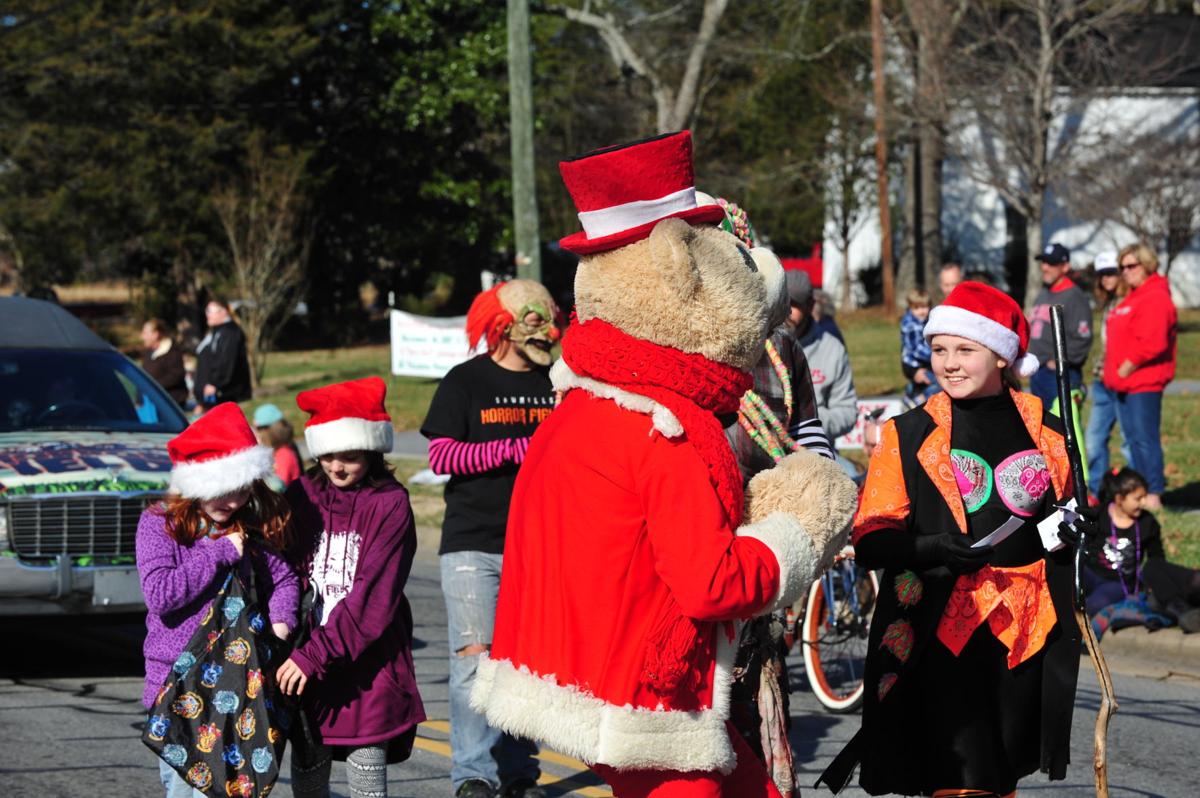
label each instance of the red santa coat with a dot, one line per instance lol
(614, 527)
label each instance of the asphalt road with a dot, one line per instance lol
(70, 720)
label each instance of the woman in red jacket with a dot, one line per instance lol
(1140, 360)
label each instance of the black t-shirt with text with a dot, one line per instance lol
(479, 401)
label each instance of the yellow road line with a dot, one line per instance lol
(567, 782)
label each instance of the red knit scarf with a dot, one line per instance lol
(692, 387)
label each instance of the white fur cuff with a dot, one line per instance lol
(220, 477)
(798, 561)
(579, 724)
(348, 435)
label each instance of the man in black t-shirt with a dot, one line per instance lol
(479, 425)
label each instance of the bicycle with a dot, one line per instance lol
(833, 627)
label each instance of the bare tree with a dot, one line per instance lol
(675, 103)
(263, 217)
(1028, 67)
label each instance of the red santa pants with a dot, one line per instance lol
(748, 780)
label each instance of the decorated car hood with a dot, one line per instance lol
(73, 462)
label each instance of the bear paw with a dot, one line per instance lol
(801, 509)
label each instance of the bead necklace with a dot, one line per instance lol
(1137, 553)
(760, 422)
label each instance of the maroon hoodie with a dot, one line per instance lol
(356, 548)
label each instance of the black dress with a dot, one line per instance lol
(933, 719)
(981, 718)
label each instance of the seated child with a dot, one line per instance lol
(914, 349)
(1126, 565)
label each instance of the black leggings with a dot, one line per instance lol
(1168, 582)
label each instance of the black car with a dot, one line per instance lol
(83, 450)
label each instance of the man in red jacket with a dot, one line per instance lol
(1140, 360)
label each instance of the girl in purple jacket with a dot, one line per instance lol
(220, 516)
(355, 544)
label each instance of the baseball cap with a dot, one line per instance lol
(799, 286)
(266, 415)
(1054, 254)
(1106, 262)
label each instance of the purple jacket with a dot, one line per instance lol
(356, 548)
(179, 582)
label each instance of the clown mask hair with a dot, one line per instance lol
(519, 313)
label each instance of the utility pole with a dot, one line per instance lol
(520, 101)
(885, 215)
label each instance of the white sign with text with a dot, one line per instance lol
(424, 346)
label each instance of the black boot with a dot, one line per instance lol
(1187, 616)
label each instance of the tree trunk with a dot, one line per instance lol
(908, 276)
(1043, 96)
(1033, 237)
(844, 303)
(885, 211)
(933, 148)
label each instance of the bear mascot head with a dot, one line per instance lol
(632, 549)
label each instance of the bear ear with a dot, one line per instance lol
(671, 255)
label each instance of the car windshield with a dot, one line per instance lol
(54, 389)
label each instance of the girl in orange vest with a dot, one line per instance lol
(973, 651)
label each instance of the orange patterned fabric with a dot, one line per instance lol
(883, 503)
(1015, 603)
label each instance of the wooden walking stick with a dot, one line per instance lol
(1108, 698)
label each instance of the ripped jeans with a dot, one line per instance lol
(471, 585)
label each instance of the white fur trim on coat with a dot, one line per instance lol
(798, 561)
(210, 479)
(953, 320)
(577, 723)
(348, 435)
(663, 419)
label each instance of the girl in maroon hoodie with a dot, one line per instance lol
(356, 542)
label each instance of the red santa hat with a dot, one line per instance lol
(987, 316)
(218, 455)
(346, 417)
(622, 192)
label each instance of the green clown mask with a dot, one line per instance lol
(532, 332)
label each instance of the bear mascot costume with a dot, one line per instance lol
(632, 552)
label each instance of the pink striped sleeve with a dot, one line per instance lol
(448, 456)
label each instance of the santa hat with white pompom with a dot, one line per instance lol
(218, 455)
(987, 316)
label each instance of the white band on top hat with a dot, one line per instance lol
(626, 216)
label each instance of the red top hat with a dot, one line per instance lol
(347, 416)
(217, 455)
(622, 192)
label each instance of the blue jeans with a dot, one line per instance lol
(471, 585)
(174, 784)
(1140, 415)
(1044, 385)
(1099, 431)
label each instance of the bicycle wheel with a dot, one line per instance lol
(834, 634)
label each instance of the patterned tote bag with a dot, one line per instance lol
(219, 719)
